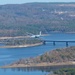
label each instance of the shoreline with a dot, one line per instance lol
(16, 37)
(44, 64)
(21, 46)
(10, 37)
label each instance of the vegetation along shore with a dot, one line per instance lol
(20, 42)
(58, 57)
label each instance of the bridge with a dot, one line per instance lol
(54, 42)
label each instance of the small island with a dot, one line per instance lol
(20, 42)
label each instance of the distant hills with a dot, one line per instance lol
(23, 19)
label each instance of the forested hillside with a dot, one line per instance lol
(22, 19)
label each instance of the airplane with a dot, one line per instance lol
(36, 36)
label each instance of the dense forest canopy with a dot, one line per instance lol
(22, 19)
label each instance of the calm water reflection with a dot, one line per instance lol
(42, 69)
(32, 70)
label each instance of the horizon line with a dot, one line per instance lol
(34, 2)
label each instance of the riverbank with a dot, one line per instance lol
(17, 37)
(43, 64)
(20, 46)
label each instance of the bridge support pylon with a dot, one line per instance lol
(54, 43)
(44, 42)
(66, 44)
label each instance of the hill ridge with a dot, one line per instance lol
(19, 19)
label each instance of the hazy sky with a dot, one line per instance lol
(27, 1)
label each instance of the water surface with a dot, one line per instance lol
(9, 55)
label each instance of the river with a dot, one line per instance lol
(9, 55)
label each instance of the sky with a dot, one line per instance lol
(2, 2)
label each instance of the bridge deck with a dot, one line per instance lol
(57, 41)
(54, 42)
